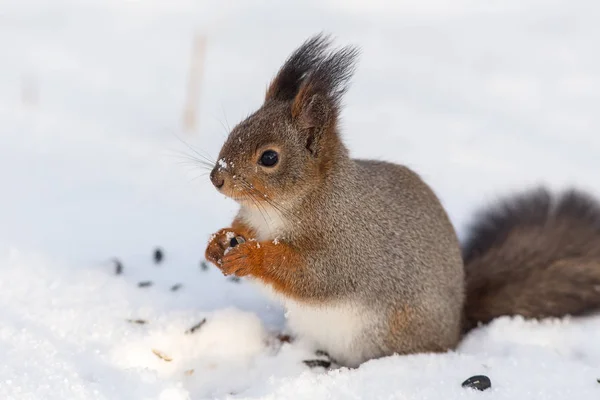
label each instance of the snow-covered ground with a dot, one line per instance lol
(480, 97)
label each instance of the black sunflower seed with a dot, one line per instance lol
(158, 255)
(196, 327)
(317, 363)
(478, 382)
(118, 266)
(176, 287)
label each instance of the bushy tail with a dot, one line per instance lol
(535, 255)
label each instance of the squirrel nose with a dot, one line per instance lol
(216, 179)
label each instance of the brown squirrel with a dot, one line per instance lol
(362, 253)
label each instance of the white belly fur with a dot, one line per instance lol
(266, 221)
(336, 328)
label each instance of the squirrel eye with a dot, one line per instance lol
(269, 158)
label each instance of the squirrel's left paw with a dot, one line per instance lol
(243, 259)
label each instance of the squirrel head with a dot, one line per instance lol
(287, 147)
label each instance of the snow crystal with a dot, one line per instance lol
(175, 393)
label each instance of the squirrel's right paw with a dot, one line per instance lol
(219, 243)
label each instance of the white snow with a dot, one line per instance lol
(229, 235)
(478, 97)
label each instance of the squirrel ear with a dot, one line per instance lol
(312, 113)
(316, 105)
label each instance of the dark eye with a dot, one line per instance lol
(269, 158)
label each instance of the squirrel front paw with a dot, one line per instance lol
(219, 244)
(244, 259)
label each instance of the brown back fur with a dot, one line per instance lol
(374, 237)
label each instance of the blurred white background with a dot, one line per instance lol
(478, 97)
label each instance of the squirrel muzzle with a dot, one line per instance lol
(217, 179)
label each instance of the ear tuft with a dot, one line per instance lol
(331, 76)
(314, 81)
(289, 78)
(320, 94)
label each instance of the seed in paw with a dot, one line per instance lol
(479, 382)
(236, 240)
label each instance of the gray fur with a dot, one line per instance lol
(386, 243)
(373, 236)
(371, 233)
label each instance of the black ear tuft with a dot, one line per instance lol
(316, 106)
(313, 80)
(329, 79)
(286, 84)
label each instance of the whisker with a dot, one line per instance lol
(194, 166)
(250, 196)
(261, 210)
(283, 212)
(257, 203)
(224, 129)
(206, 157)
(194, 163)
(228, 128)
(194, 159)
(196, 151)
(194, 154)
(198, 177)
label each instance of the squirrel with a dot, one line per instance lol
(362, 253)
